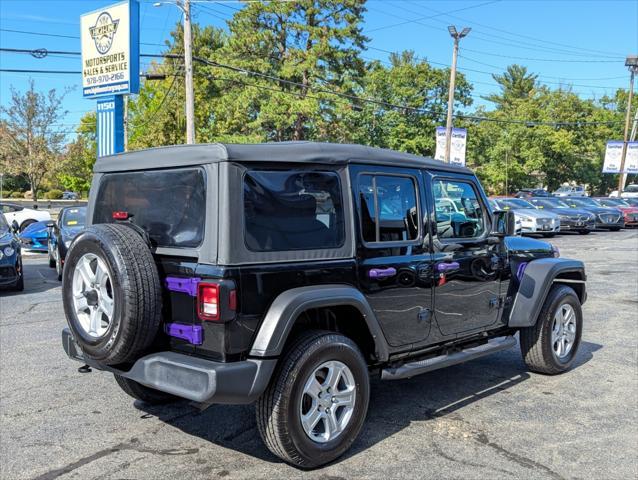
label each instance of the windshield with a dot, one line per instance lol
(4, 226)
(507, 203)
(74, 217)
(550, 203)
(564, 189)
(613, 202)
(582, 202)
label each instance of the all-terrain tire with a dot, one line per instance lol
(278, 409)
(135, 288)
(144, 393)
(536, 341)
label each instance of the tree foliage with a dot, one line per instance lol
(31, 140)
(76, 169)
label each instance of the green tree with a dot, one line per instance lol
(31, 140)
(516, 84)
(76, 171)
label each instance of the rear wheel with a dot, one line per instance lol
(25, 224)
(58, 263)
(316, 404)
(550, 346)
(51, 260)
(144, 393)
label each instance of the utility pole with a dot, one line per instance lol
(632, 63)
(185, 7)
(450, 103)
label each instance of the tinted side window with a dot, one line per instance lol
(292, 210)
(169, 204)
(388, 206)
(459, 213)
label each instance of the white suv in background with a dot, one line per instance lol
(24, 216)
(630, 191)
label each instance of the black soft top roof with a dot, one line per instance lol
(291, 152)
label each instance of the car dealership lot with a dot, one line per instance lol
(485, 419)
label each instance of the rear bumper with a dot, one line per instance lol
(193, 378)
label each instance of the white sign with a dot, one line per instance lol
(613, 154)
(631, 158)
(457, 150)
(110, 50)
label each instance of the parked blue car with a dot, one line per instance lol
(71, 221)
(11, 274)
(35, 237)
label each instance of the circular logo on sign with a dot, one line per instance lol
(103, 32)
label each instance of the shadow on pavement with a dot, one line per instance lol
(394, 405)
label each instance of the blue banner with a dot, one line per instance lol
(110, 126)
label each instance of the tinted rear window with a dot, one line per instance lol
(292, 210)
(168, 204)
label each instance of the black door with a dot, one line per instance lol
(466, 263)
(394, 262)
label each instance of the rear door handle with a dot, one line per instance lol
(377, 273)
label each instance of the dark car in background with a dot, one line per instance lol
(532, 192)
(571, 219)
(606, 217)
(629, 212)
(35, 237)
(71, 221)
(10, 257)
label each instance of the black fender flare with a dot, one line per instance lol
(285, 309)
(538, 278)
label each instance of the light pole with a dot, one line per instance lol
(450, 103)
(185, 7)
(632, 63)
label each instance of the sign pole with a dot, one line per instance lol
(621, 176)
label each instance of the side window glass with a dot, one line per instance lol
(459, 213)
(388, 206)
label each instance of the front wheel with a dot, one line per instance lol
(615, 229)
(584, 232)
(316, 404)
(549, 235)
(550, 346)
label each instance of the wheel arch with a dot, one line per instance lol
(290, 306)
(538, 278)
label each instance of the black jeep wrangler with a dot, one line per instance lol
(286, 274)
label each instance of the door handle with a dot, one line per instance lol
(446, 267)
(382, 272)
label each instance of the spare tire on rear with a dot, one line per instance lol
(112, 293)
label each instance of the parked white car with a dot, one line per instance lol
(567, 191)
(532, 220)
(24, 216)
(630, 191)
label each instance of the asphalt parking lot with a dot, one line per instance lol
(486, 419)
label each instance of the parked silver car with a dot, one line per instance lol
(567, 191)
(532, 220)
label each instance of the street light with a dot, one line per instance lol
(450, 103)
(185, 7)
(632, 63)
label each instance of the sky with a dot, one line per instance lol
(582, 43)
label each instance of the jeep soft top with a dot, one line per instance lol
(286, 273)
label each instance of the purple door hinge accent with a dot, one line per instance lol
(185, 285)
(444, 267)
(382, 272)
(521, 270)
(192, 333)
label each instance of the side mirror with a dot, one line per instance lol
(15, 227)
(503, 223)
(50, 224)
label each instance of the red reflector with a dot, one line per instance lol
(120, 215)
(232, 300)
(208, 301)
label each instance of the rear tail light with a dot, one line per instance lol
(208, 302)
(119, 215)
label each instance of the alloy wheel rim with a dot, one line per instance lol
(563, 331)
(93, 296)
(327, 402)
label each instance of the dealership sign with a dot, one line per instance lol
(110, 50)
(457, 149)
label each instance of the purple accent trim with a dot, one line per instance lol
(521, 270)
(193, 333)
(185, 285)
(382, 272)
(445, 267)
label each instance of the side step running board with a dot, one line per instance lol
(422, 366)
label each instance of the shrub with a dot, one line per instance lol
(7, 193)
(53, 194)
(17, 195)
